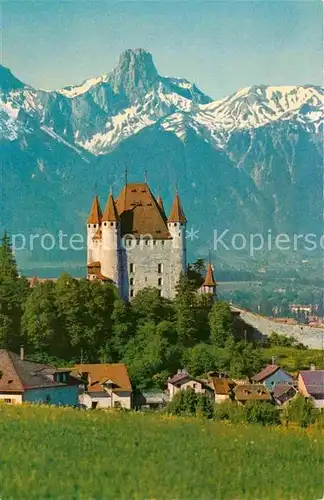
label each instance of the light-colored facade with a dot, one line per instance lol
(182, 381)
(104, 385)
(133, 243)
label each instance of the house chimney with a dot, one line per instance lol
(312, 367)
(22, 353)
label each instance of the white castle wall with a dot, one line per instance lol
(145, 259)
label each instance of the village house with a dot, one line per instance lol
(311, 385)
(283, 393)
(24, 381)
(222, 388)
(251, 392)
(182, 381)
(105, 385)
(272, 375)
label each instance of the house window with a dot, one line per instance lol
(8, 401)
(194, 386)
(131, 268)
(160, 282)
(160, 268)
(131, 281)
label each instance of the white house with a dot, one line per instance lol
(105, 385)
(182, 381)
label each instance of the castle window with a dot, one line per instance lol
(160, 282)
(138, 242)
(95, 225)
(160, 268)
(175, 224)
(105, 223)
(146, 242)
(111, 223)
(160, 293)
(131, 281)
(131, 293)
(131, 268)
(154, 242)
(89, 225)
(162, 242)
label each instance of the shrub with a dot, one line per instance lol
(188, 402)
(258, 412)
(229, 410)
(301, 410)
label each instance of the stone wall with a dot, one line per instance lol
(309, 336)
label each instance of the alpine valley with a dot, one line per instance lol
(250, 163)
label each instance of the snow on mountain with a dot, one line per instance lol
(104, 111)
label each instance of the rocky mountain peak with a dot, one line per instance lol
(8, 81)
(135, 73)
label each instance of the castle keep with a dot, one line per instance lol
(134, 244)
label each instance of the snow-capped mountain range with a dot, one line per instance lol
(254, 151)
(102, 112)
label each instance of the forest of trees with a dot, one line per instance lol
(75, 320)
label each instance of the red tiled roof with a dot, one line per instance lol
(177, 213)
(222, 386)
(281, 389)
(110, 214)
(95, 213)
(265, 373)
(140, 213)
(257, 392)
(178, 377)
(100, 373)
(209, 280)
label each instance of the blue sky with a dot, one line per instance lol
(220, 45)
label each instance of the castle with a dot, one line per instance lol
(134, 244)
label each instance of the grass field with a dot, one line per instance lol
(65, 454)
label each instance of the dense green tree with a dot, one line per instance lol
(146, 355)
(13, 293)
(40, 323)
(147, 305)
(221, 324)
(200, 359)
(123, 327)
(185, 312)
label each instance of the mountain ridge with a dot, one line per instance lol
(258, 151)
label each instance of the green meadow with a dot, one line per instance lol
(65, 454)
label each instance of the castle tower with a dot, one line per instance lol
(94, 232)
(110, 245)
(177, 227)
(134, 244)
(209, 285)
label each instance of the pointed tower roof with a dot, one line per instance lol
(95, 213)
(110, 214)
(209, 280)
(177, 213)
